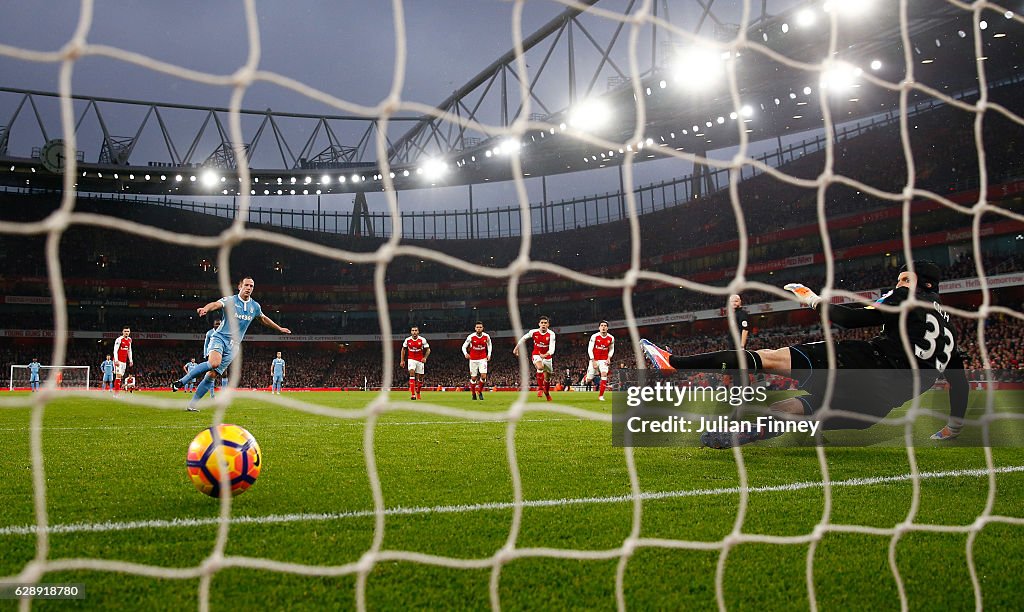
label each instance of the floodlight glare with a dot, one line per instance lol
(848, 8)
(177, 178)
(747, 111)
(434, 169)
(325, 179)
(698, 68)
(510, 146)
(876, 64)
(805, 18)
(839, 77)
(209, 178)
(590, 115)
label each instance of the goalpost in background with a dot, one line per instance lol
(70, 377)
(239, 82)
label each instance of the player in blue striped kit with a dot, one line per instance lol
(277, 372)
(107, 367)
(189, 386)
(33, 374)
(221, 346)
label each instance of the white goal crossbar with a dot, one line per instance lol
(70, 376)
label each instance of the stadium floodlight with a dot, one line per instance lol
(325, 179)
(209, 178)
(147, 177)
(406, 172)
(839, 77)
(511, 146)
(747, 111)
(698, 68)
(341, 179)
(785, 28)
(308, 180)
(876, 64)
(177, 178)
(590, 115)
(720, 120)
(192, 178)
(434, 169)
(293, 180)
(805, 18)
(355, 178)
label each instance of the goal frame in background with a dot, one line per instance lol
(11, 387)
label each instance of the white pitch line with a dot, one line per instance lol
(355, 423)
(458, 509)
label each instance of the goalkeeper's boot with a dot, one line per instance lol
(721, 439)
(176, 386)
(656, 356)
(946, 433)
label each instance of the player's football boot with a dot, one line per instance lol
(600, 398)
(721, 439)
(656, 356)
(540, 393)
(547, 396)
(176, 386)
(946, 433)
(191, 409)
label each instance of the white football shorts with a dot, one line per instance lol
(477, 367)
(120, 368)
(414, 366)
(602, 368)
(543, 364)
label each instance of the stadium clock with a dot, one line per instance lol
(52, 156)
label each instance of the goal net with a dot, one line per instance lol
(641, 479)
(69, 377)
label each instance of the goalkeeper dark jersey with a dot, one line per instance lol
(928, 328)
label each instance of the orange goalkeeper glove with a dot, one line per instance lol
(804, 295)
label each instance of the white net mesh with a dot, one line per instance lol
(249, 73)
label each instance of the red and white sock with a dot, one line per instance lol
(117, 385)
(540, 381)
(412, 387)
(604, 385)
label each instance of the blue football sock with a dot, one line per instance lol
(196, 372)
(201, 390)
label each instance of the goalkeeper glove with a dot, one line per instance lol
(804, 295)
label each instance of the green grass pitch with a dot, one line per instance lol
(113, 469)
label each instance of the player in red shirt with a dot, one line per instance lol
(122, 357)
(416, 349)
(477, 349)
(600, 350)
(543, 349)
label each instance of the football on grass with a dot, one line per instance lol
(237, 453)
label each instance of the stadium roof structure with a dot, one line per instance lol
(784, 74)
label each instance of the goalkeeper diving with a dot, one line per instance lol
(884, 377)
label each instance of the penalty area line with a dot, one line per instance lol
(110, 526)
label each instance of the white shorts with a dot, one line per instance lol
(602, 368)
(541, 363)
(120, 368)
(477, 367)
(414, 367)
